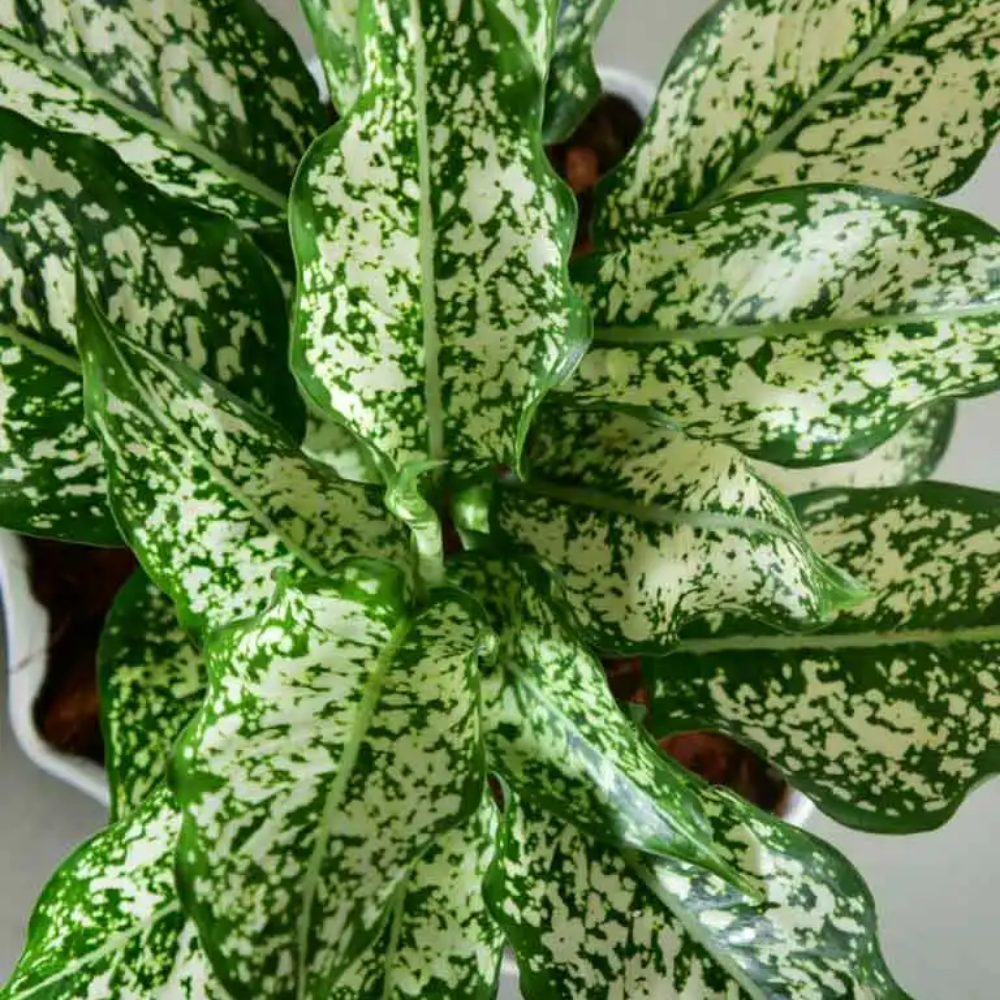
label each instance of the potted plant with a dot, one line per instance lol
(359, 735)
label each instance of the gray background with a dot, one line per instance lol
(936, 893)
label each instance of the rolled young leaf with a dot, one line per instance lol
(170, 275)
(885, 718)
(903, 96)
(912, 454)
(334, 28)
(441, 942)
(209, 100)
(555, 734)
(647, 529)
(573, 86)
(803, 325)
(586, 921)
(109, 923)
(339, 739)
(151, 681)
(213, 496)
(434, 308)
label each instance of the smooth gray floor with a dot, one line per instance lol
(937, 893)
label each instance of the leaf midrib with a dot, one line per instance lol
(617, 336)
(36, 347)
(199, 458)
(835, 641)
(776, 139)
(79, 80)
(335, 795)
(593, 499)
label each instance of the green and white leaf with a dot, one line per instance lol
(886, 718)
(589, 922)
(573, 85)
(903, 96)
(911, 455)
(555, 733)
(109, 924)
(172, 276)
(339, 739)
(208, 100)
(212, 495)
(334, 28)
(647, 530)
(152, 681)
(803, 325)
(335, 446)
(434, 307)
(441, 942)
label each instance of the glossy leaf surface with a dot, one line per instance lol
(886, 718)
(340, 737)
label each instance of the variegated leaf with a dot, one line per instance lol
(555, 734)
(441, 942)
(339, 739)
(802, 325)
(209, 100)
(109, 925)
(911, 455)
(169, 274)
(152, 682)
(334, 28)
(588, 922)
(334, 445)
(901, 95)
(211, 494)
(886, 718)
(573, 86)
(434, 307)
(648, 529)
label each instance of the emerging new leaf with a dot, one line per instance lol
(802, 325)
(648, 529)
(764, 94)
(334, 28)
(209, 101)
(339, 739)
(151, 682)
(573, 86)
(441, 942)
(109, 924)
(886, 717)
(588, 922)
(211, 494)
(172, 276)
(434, 308)
(555, 734)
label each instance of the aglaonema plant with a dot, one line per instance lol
(399, 477)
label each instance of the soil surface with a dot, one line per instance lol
(78, 583)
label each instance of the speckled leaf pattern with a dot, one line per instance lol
(648, 529)
(208, 99)
(152, 681)
(555, 733)
(334, 28)
(340, 737)
(912, 454)
(899, 94)
(213, 496)
(434, 307)
(573, 86)
(335, 446)
(109, 925)
(169, 274)
(887, 717)
(580, 917)
(801, 325)
(441, 942)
